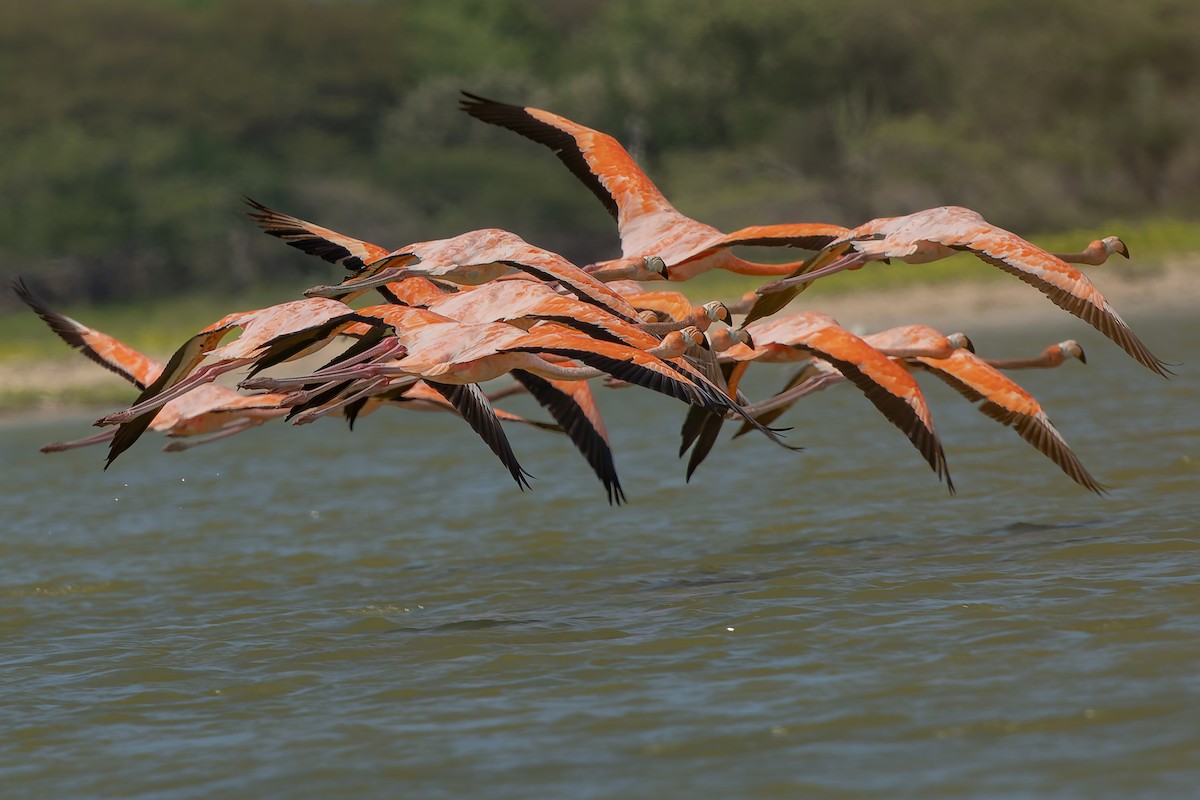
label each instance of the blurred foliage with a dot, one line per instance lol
(131, 128)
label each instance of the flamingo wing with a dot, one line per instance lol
(472, 405)
(1003, 400)
(580, 422)
(889, 387)
(112, 354)
(803, 235)
(595, 158)
(324, 243)
(1067, 287)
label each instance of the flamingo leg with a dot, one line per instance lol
(336, 373)
(851, 261)
(372, 386)
(340, 290)
(560, 372)
(790, 396)
(179, 445)
(205, 374)
(58, 447)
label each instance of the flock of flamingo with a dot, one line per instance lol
(459, 312)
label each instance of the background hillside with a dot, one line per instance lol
(131, 129)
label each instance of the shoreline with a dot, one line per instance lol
(966, 305)
(969, 305)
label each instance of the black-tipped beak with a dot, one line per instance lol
(704, 343)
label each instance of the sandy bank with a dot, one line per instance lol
(1133, 290)
(970, 306)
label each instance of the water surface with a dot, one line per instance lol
(309, 612)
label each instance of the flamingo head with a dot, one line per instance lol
(694, 337)
(1072, 349)
(743, 336)
(717, 311)
(1113, 244)
(960, 341)
(655, 265)
(722, 339)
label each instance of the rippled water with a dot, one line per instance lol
(308, 612)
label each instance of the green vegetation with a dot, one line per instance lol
(133, 127)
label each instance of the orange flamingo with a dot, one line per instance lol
(1001, 399)
(571, 403)
(907, 341)
(274, 333)
(511, 302)
(677, 310)
(648, 225)
(978, 379)
(889, 387)
(429, 345)
(181, 375)
(215, 410)
(477, 257)
(447, 352)
(940, 232)
(472, 258)
(524, 303)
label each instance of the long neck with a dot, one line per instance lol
(742, 267)
(1050, 357)
(558, 372)
(1094, 254)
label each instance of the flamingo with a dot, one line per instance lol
(443, 351)
(906, 341)
(889, 387)
(431, 345)
(472, 258)
(259, 327)
(648, 225)
(677, 309)
(212, 409)
(418, 290)
(477, 257)
(940, 232)
(524, 303)
(571, 403)
(1001, 399)
(274, 332)
(978, 379)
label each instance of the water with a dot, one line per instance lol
(306, 612)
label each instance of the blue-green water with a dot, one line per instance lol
(310, 612)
